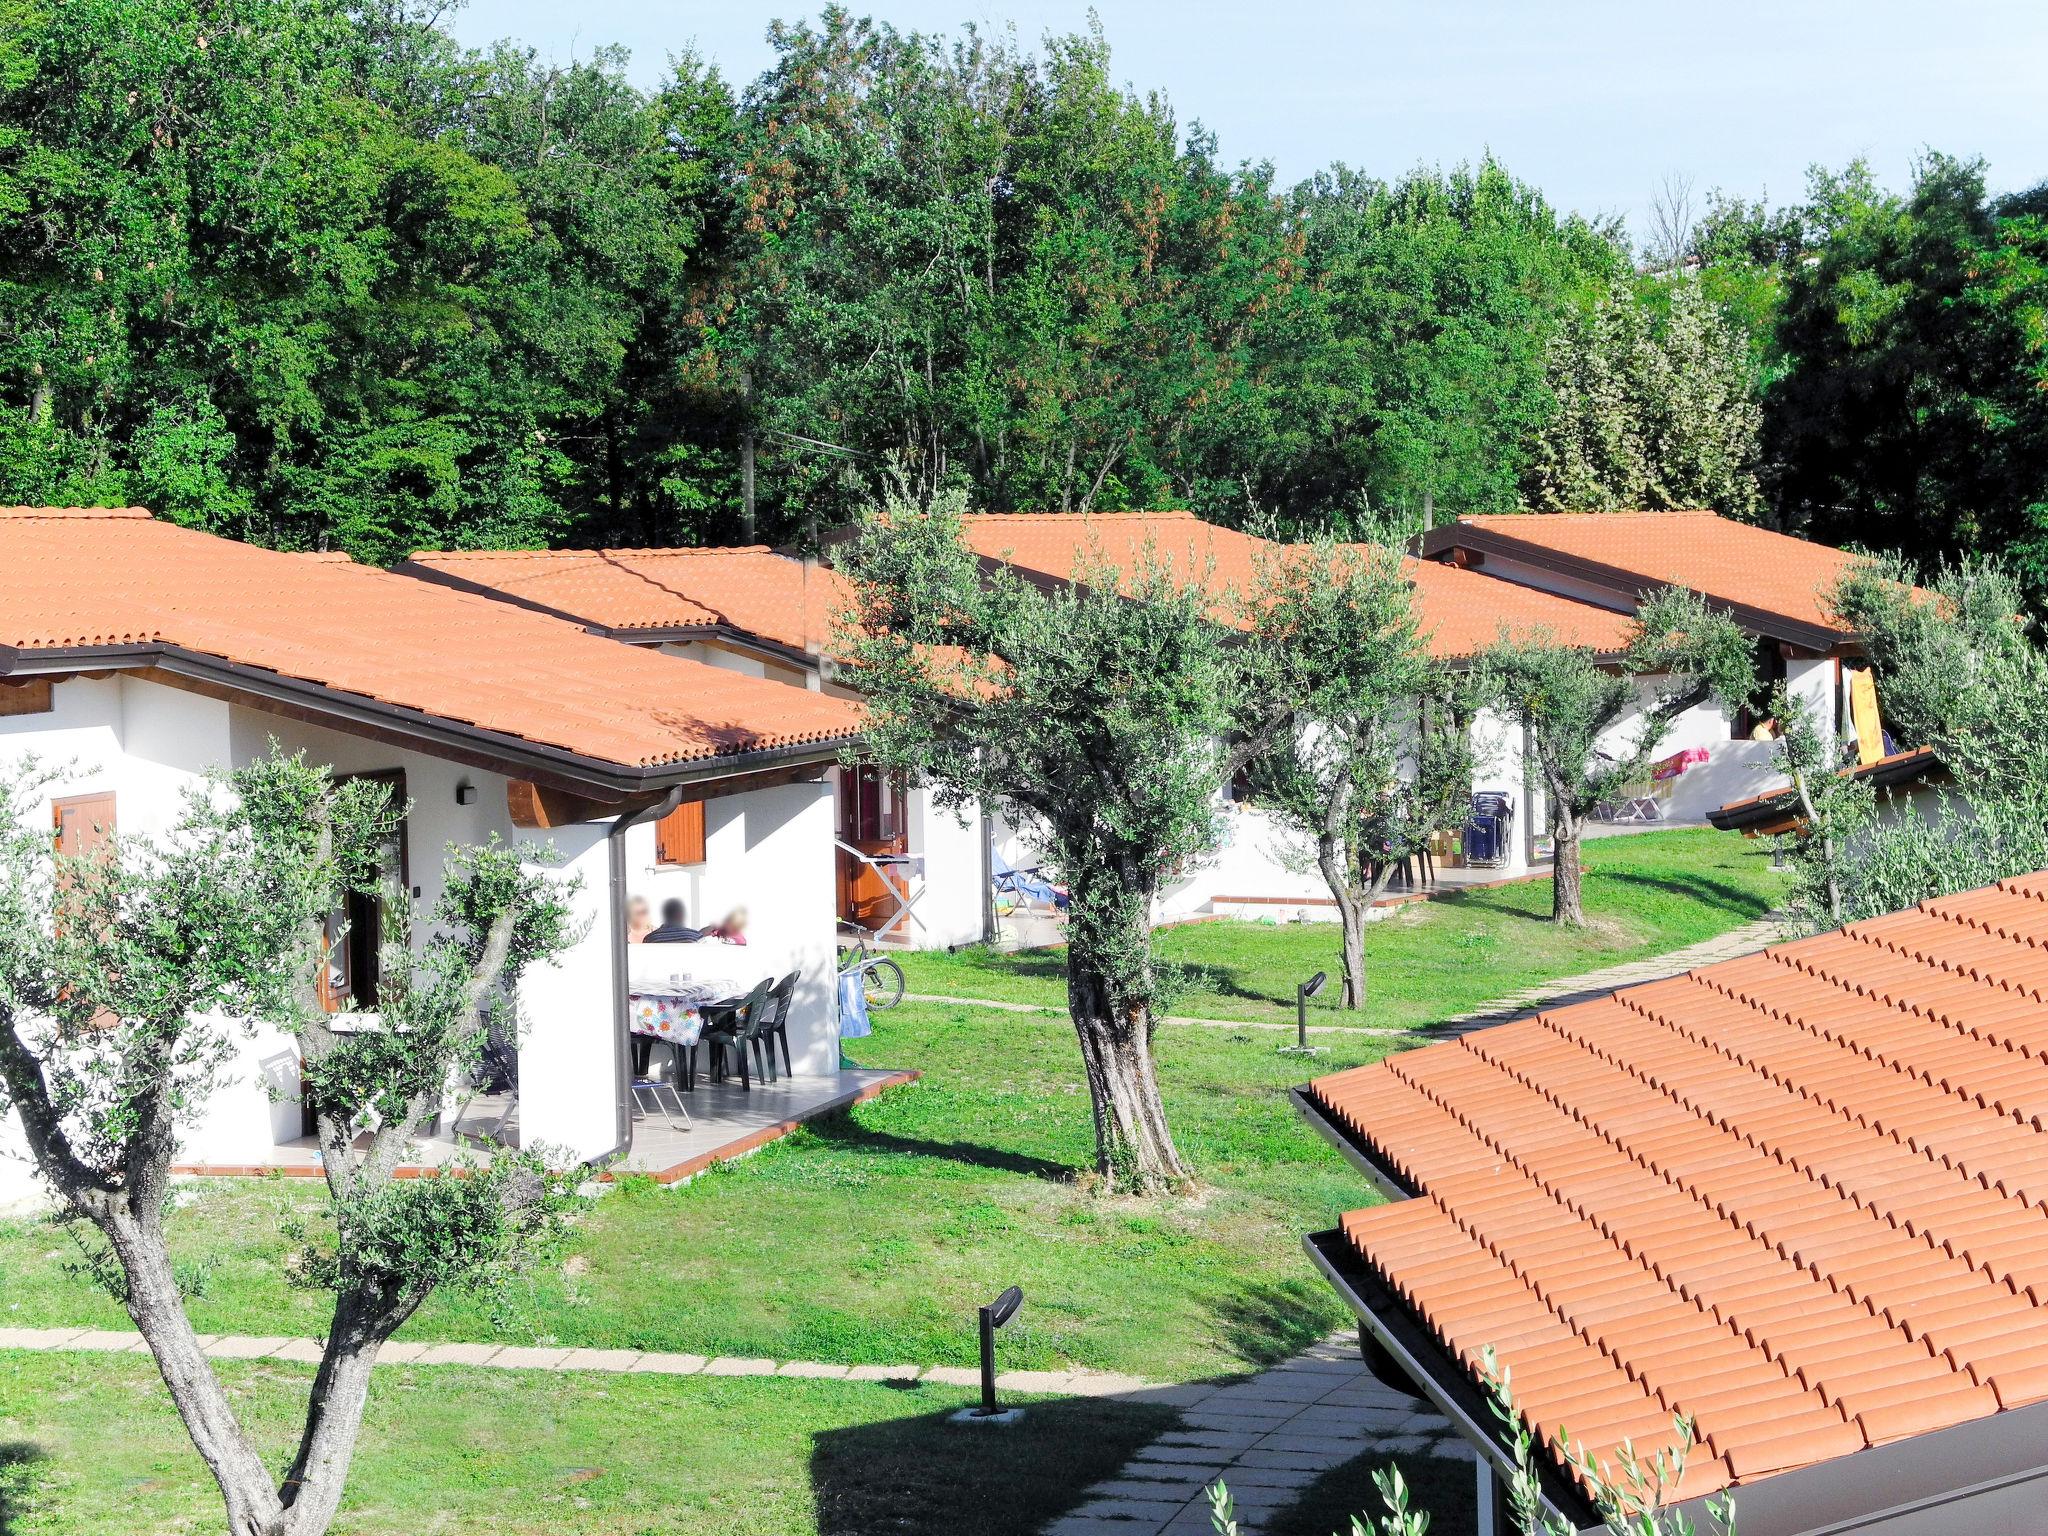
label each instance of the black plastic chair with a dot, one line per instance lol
(729, 1029)
(774, 1025)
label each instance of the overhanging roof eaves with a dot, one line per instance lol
(1631, 585)
(515, 755)
(1776, 810)
(1446, 1384)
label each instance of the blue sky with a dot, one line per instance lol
(1594, 101)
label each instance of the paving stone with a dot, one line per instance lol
(816, 1369)
(1156, 1510)
(111, 1341)
(600, 1360)
(953, 1376)
(1094, 1525)
(1097, 1383)
(1403, 1445)
(1190, 1455)
(236, 1346)
(1167, 1397)
(1212, 1439)
(305, 1351)
(1282, 1459)
(1127, 1487)
(727, 1365)
(397, 1353)
(1239, 1475)
(884, 1373)
(458, 1354)
(1308, 1443)
(37, 1338)
(525, 1357)
(1453, 1450)
(655, 1364)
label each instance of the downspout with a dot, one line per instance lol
(622, 1011)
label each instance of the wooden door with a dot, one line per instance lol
(871, 820)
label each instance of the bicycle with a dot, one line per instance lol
(881, 977)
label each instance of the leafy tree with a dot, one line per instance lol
(1835, 810)
(1415, 375)
(1913, 413)
(1378, 757)
(1648, 415)
(1094, 713)
(1960, 669)
(127, 979)
(1594, 729)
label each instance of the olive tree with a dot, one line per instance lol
(129, 978)
(1584, 747)
(1106, 714)
(1960, 668)
(1377, 757)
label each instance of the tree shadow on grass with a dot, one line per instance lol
(843, 1130)
(1272, 1321)
(924, 1475)
(18, 1477)
(1704, 889)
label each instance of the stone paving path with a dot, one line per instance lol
(1732, 945)
(1746, 940)
(528, 1358)
(1268, 1438)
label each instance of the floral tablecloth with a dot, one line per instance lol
(674, 1010)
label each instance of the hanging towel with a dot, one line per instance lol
(853, 1007)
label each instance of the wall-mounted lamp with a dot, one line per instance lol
(465, 794)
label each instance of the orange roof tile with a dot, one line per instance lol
(72, 579)
(1714, 555)
(1461, 612)
(789, 603)
(1801, 1197)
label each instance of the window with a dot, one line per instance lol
(679, 836)
(355, 932)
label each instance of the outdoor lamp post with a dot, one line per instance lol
(992, 1317)
(1303, 991)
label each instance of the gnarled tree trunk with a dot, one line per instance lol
(1133, 1146)
(1567, 904)
(1334, 859)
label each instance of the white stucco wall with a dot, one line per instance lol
(770, 851)
(568, 1030)
(952, 910)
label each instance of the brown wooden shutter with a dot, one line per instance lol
(679, 836)
(32, 696)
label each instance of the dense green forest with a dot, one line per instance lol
(319, 276)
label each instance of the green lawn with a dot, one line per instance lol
(89, 1446)
(872, 1237)
(1645, 893)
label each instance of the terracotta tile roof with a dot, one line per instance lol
(83, 579)
(1724, 559)
(1463, 612)
(1801, 1196)
(753, 590)
(1460, 611)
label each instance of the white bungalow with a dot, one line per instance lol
(141, 655)
(906, 869)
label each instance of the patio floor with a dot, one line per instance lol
(726, 1121)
